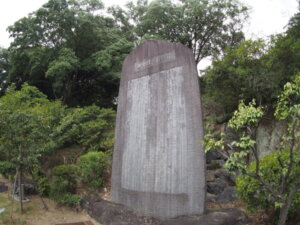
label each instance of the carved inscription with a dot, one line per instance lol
(168, 149)
(168, 57)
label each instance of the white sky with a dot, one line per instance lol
(266, 17)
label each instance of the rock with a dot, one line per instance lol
(269, 134)
(213, 155)
(216, 187)
(109, 213)
(210, 175)
(211, 197)
(3, 187)
(218, 217)
(228, 195)
(228, 177)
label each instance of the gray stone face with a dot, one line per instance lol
(159, 163)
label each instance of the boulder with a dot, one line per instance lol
(216, 187)
(109, 213)
(228, 195)
(228, 177)
(214, 155)
(211, 197)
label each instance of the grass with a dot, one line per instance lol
(5, 219)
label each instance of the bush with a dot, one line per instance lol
(64, 179)
(253, 193)
(40, 178)
(7, 169)
(93, 166)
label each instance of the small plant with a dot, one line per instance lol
(64, 179)
(251, 191)
(93, 166)
(69, 200)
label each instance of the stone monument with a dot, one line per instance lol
(159, 162)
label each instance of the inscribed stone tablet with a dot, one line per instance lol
(158, 163)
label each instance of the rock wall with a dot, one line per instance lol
(268, 136)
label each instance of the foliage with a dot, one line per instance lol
(4, 68)
(210, 142)
(90, 127)
(93, 167)
(27, 118)
(206, 27)
(252, 192)
(42, 181)
(255, 69)
(273, 181)
(243, 73)
(64, 179)
(69, 51)
(7, 169)
(67, 199)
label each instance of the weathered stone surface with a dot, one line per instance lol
(268, 136)
(108, 213)
(229, 194)
(217, 186)
(158, 162)
(228, 177)
(219, 217)
(211, 197)
(214, 155)
(3, 187)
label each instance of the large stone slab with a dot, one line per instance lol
(158, 162)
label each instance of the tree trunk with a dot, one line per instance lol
(283, 214)
(11, 192)
(285, 208)
(20, 190)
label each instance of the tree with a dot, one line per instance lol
(206, 27)
(281, 189)
(90, 127)
(27, 119)
(58, 49)
(4, 67)
(244, 72)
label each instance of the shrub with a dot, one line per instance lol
(64, 179)
(40, 178)
(253, 193)
(7, 169)
(93, 166)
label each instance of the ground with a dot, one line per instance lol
(35, 214)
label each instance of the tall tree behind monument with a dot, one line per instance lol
(159, 163)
